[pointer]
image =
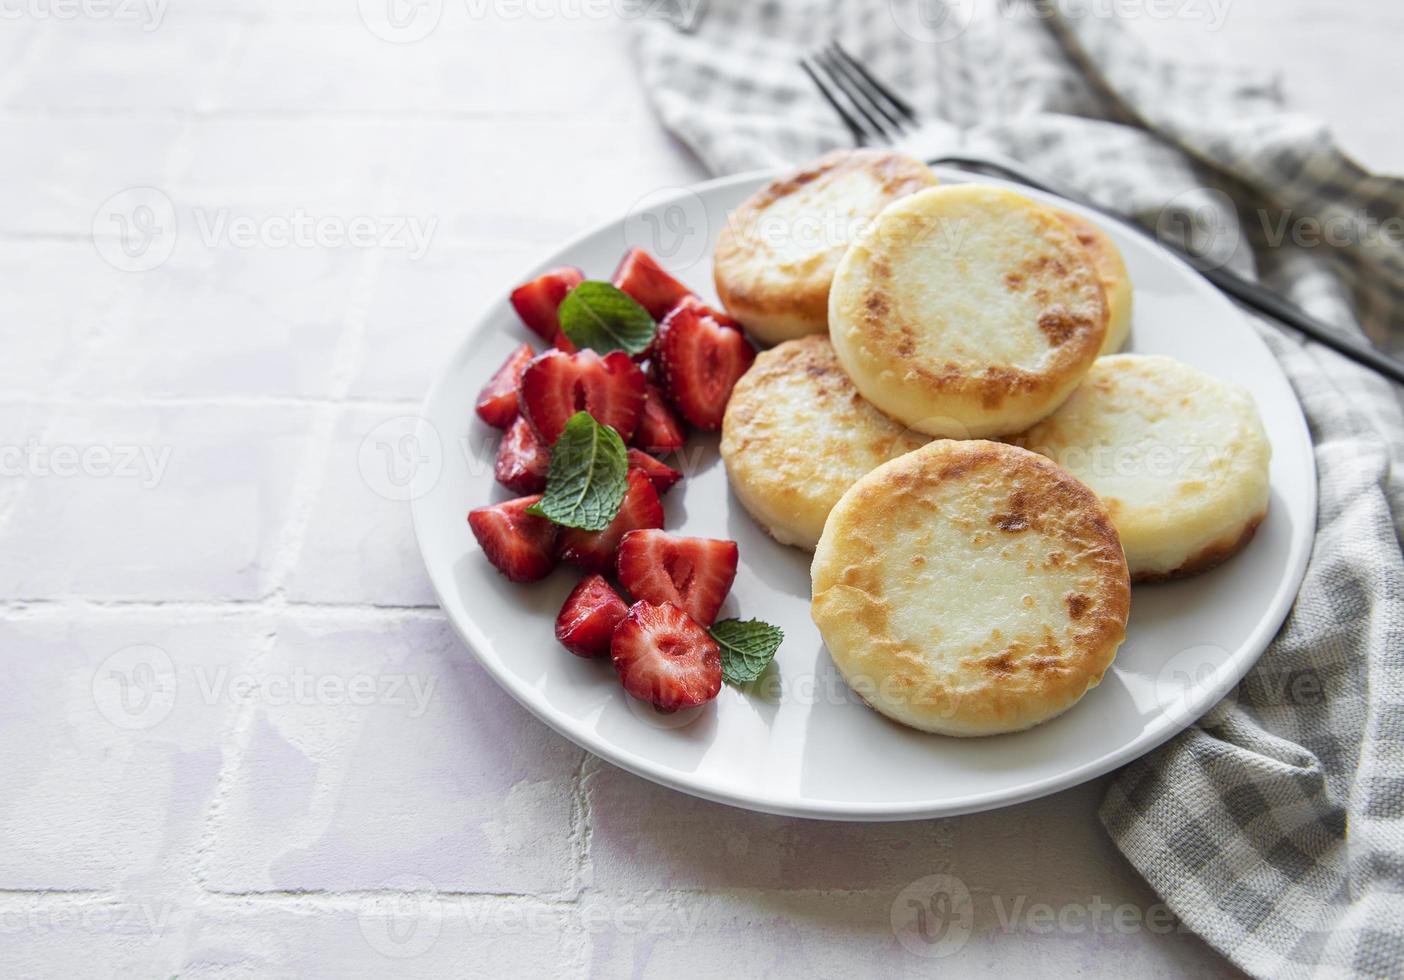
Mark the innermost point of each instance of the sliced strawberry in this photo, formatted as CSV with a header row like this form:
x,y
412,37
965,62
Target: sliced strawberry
x,y
497,403
700,355
665,657
643,278
521,546
594,550
556,385
522,461
694,574
660,430
662,475
586,622
536,301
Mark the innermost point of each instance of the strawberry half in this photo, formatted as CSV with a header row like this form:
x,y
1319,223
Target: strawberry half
x,y
521,546
586,622
664,657
522,461
700,355
694,574
594,550
640,275
536,302
555,385
662,475
660,430
497,403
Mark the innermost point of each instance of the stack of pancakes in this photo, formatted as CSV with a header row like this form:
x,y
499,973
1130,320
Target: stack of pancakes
x,y
964,585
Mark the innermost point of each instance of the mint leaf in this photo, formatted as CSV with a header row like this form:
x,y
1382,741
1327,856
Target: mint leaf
x,y
587,477
746,647
605,318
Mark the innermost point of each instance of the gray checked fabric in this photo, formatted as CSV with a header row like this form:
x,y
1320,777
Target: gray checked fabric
x,y
1275,826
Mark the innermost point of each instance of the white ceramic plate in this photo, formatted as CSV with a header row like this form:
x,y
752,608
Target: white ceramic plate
x,y
801,744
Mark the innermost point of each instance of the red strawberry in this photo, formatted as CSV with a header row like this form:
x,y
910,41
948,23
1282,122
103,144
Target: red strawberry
x,y
701,355
521,546
556,385
594,550
663,656
497,404
660,430
643,278
522,461
694,574
536,301
662,475
587,620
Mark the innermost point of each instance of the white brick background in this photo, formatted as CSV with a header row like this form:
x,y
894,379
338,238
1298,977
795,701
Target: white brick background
x,y
237,738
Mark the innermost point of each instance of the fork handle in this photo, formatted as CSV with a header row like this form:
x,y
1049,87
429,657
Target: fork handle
x,y
1249,293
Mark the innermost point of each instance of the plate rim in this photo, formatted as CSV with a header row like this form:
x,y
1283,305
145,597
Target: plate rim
x,y
1258,640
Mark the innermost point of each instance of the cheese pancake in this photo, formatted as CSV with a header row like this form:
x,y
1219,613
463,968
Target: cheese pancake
x,y
797,435
776,256
1111,270
970,588
967,311
1179,457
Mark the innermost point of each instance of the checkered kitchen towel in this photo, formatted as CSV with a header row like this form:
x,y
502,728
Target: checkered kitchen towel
x,y
1275,830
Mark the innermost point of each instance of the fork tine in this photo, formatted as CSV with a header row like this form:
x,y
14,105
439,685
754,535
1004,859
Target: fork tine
x,y
886,93
859,99
849,120
857,81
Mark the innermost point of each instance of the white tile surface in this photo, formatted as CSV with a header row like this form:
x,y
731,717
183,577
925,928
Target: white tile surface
x,y
174,802
377,751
